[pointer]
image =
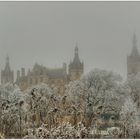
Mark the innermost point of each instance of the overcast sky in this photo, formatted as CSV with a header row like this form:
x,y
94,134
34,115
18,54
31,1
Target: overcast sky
x,y
46,32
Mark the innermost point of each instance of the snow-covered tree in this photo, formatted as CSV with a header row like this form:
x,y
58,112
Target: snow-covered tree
x,y
12,109
41,100
97,92
42,113
63,131
133,86
129,117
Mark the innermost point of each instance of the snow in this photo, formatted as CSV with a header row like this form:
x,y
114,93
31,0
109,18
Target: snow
x,y
40,112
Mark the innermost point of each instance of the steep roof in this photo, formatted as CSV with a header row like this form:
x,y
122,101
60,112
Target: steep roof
x,y
58,73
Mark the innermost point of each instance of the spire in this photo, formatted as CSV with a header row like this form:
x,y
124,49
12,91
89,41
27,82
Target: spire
x,y
76,63
76,50
76,56
134,52
7,66
7,60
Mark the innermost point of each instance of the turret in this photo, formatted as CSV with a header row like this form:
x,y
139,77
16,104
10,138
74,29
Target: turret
x,y
7,75
76,68
7,60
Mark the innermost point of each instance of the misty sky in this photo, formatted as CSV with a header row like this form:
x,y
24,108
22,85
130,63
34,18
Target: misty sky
x,y
46,33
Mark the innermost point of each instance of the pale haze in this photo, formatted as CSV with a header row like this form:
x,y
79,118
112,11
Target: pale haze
x,y
47,32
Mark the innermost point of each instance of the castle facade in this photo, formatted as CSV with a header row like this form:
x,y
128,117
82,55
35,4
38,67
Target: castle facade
x,y
56,78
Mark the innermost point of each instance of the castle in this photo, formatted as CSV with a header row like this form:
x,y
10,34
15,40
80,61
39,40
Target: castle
x,y
133,60
56,78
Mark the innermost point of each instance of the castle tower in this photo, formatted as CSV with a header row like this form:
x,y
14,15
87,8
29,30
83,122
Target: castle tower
x,y
76,68
7,75
133,61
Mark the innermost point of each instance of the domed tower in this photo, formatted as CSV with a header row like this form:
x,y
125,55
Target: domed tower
x,y
7,75
133,61
76,68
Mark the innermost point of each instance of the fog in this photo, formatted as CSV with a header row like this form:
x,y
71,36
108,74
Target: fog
x,y
47,32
